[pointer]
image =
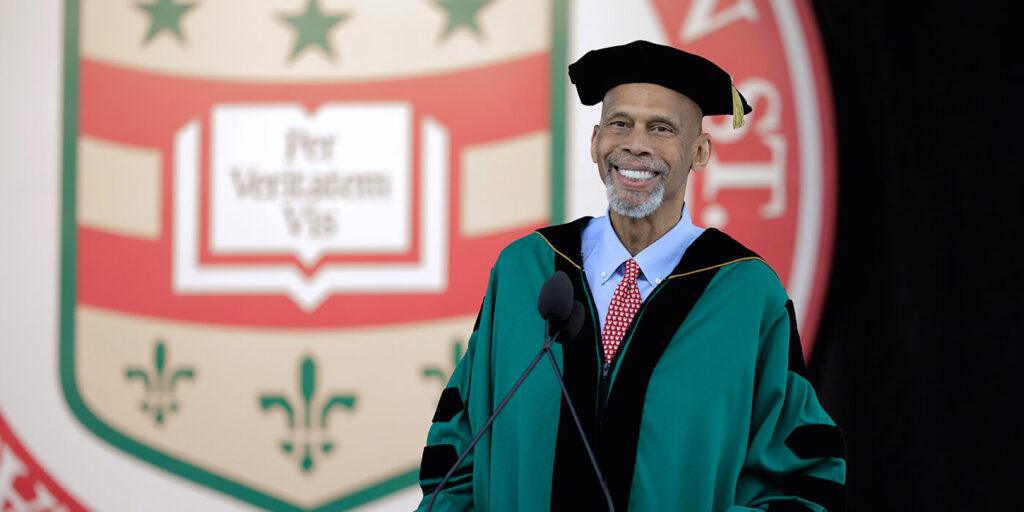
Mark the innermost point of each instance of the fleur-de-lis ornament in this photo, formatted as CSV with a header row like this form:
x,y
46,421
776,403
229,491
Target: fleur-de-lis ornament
x,y
308,428
159,385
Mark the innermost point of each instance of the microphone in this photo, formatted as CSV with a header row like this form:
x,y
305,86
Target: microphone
x,y
564,318
572,325
555,302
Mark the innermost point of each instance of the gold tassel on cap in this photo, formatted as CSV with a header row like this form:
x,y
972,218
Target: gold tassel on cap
x,y
737,107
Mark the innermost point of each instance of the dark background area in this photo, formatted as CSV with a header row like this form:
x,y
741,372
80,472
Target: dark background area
x,y
920,343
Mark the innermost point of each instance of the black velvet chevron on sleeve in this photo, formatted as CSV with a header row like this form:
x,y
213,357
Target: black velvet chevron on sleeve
x,y
448,406
828,494
813,441
437,460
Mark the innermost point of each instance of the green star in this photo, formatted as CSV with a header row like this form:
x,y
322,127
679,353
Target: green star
x,y
165,15
312,27
461,13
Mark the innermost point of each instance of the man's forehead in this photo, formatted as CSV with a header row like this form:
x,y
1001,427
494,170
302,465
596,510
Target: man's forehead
x,y
641,97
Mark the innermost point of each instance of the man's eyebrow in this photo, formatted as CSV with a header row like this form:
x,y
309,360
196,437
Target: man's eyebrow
x,y
663,119
617,113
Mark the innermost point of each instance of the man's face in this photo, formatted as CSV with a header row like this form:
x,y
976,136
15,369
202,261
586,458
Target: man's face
x,y
645,146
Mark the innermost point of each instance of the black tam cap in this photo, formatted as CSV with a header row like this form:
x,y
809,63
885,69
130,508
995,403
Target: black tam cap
x,y
691,75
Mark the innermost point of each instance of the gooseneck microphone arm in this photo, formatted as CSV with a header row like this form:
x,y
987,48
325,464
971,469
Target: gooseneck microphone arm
x,y
465,452
487,425
564,318
579,427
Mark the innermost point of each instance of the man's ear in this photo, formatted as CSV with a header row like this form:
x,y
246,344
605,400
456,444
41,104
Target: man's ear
x,y
593,144
701,152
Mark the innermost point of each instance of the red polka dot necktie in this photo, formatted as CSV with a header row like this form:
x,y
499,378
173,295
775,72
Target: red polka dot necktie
x,y
624,304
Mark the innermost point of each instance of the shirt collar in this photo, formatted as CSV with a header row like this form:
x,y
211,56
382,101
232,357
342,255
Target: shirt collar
x,y
657,260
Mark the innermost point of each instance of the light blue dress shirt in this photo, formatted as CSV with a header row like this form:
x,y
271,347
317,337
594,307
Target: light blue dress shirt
x,y
604,258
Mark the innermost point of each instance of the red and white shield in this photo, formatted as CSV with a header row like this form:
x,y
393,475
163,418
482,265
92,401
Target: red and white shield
x,y
279,222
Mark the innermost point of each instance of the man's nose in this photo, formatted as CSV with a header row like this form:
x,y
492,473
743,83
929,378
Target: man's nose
x,y
637,142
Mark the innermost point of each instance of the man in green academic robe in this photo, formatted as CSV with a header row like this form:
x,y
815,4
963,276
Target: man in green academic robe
x,y
687,375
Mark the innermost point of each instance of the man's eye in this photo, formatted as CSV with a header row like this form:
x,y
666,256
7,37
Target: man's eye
x,y
617,123
663,131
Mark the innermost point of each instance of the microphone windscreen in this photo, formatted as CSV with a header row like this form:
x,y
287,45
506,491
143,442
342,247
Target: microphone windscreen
x,y
555,300
573,324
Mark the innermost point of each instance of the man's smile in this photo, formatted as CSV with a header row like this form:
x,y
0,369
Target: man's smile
x,y
636,174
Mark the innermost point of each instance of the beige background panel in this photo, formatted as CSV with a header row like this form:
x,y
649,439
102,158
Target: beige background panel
x,y
505,184
219,425
119,188
247,40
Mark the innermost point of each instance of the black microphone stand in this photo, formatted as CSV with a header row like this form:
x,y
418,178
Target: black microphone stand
x,y
579,426
546,349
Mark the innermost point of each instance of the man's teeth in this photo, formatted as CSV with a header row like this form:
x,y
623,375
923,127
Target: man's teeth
x,y
636,175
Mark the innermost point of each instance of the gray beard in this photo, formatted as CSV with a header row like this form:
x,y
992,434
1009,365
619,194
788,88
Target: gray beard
x,y
636,210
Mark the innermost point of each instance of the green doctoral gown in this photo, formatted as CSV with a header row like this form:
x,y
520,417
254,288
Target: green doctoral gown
x,y
706,406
